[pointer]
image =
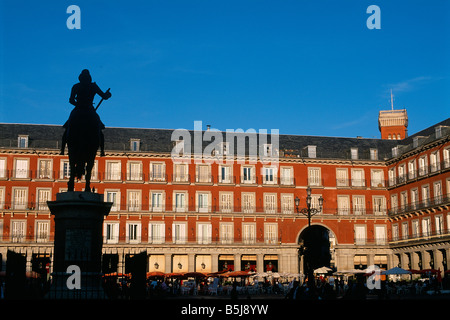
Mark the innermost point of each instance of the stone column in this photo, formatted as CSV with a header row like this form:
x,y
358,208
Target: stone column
x,y
78,245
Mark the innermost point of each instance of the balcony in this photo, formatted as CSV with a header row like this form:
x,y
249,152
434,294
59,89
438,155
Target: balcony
x,y
416,238
420,205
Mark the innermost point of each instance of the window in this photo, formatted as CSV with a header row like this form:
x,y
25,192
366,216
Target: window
x,y
179,233
312,151
391,174
3,169
359,205
267,150
134,200
354,153
21,169
181,172
22,141
315,202
18,230
43,195
437,192
423,166
343,205
426,227
342,177
114,197
415,228
404,200
269,175
225,174
426,195
248,174
226,202
135,171
380,235
373,154
287,177
156,232
287,203
20,200
157,201
226,233
111,232
447,158
377,178
203,202
379,205
405,232
414,198
44,169
180,201
412,169
113,171
358,178
158,171
438,221
2,202
314,177
42,231
395,235
133,232
135,144
401,173
394,203
248,233
64,172
204,233
434,161
270,233
270,203
248,202
203,173
360,235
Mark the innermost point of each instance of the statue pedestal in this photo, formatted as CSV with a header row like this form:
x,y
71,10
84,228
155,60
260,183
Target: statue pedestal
x,y
78,245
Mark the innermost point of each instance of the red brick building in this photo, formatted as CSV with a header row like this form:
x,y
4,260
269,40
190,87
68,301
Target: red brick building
x,y
212,215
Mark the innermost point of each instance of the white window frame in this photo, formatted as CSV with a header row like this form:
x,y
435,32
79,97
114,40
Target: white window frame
x,y
248,174
314,177
133,231
343,204
114,197
248,202
113,170
248,233
342,177
42,196
179,232
269,175
226,202
21,168
180,200
20,198
204,233
156,232
157,200
270,233
270,202
111,232
287,203
18,230
45,172
134,200
42,230
358,181
157,171
134,169
203,201
226,232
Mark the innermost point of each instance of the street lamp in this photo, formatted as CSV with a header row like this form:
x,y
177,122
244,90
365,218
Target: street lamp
x,y
308,211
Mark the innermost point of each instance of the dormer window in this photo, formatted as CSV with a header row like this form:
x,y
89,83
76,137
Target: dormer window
x,y
267,150
354,153
22,141
311,151
135,144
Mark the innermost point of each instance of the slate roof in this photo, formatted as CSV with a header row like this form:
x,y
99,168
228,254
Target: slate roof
x,y
160,141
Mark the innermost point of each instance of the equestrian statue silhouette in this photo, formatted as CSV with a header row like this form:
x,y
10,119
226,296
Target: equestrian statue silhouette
x,y
83,130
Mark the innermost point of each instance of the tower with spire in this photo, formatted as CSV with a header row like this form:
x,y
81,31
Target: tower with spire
x,y
393,123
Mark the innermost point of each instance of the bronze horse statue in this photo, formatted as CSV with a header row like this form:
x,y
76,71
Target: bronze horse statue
x,y
83,133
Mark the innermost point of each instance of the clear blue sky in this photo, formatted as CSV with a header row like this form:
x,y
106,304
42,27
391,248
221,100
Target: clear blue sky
x,y
307,67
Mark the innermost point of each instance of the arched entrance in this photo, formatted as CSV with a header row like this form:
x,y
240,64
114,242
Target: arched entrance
x,y
314,248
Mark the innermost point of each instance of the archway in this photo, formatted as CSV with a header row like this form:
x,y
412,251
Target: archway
x,y
314,242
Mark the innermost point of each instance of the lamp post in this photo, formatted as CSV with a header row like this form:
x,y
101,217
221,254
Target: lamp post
x,y
308,211
306,251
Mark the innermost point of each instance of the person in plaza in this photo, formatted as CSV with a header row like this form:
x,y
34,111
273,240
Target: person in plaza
x,y
82,97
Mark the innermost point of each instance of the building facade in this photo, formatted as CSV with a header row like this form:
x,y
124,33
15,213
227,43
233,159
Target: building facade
x,y
385,201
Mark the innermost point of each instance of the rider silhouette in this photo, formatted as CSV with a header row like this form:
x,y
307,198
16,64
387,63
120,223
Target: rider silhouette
x,y
82,97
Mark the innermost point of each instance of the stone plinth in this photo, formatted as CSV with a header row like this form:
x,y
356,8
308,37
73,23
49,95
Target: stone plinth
x,y
78,243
